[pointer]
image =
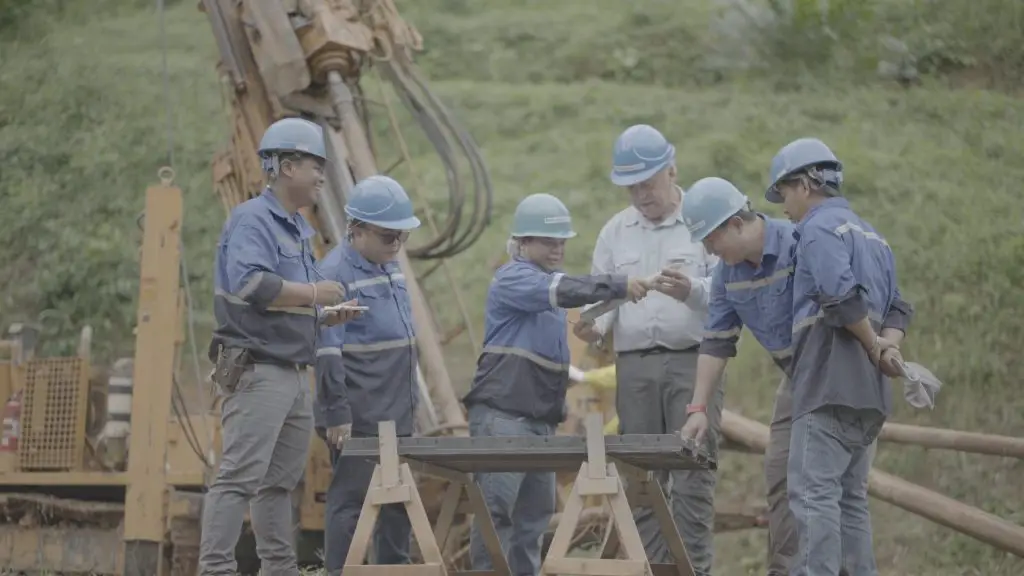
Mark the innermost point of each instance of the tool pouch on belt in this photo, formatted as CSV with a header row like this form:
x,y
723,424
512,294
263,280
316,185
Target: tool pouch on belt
x,y
231,364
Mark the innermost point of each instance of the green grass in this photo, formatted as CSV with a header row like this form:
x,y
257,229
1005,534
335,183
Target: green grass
x,y
545,88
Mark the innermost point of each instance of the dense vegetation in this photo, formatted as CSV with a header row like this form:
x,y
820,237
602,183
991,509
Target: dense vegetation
x,y
920,98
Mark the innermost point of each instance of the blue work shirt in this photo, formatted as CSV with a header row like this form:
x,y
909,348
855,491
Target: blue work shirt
x,y
759,297
366,368
523,368
261,246
845,271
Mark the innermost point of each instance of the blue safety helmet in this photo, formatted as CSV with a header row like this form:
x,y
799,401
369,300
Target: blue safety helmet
x,y
381,201
804,155
640,153
544,216
294,135
709,203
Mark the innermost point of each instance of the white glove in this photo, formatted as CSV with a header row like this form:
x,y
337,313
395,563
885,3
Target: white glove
x,y
920,386
575,374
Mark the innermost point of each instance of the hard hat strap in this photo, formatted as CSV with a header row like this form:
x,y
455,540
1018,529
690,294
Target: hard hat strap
x,y
271,164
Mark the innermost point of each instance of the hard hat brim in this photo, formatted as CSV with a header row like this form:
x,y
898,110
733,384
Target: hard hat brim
x,y
410,223
269,151
700,237
620,179
772,195
708,229
561,235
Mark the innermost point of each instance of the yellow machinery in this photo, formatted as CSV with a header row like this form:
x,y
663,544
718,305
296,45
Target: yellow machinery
x,y
102,470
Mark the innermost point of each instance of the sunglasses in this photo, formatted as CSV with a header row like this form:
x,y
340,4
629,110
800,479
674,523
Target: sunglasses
x,y
389,237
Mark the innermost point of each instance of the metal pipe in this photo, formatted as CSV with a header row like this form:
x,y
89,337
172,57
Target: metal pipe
x,y
332,197
427,341
919,500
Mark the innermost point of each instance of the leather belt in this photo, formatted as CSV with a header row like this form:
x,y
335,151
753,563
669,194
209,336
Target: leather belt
x,y
260,359
660,350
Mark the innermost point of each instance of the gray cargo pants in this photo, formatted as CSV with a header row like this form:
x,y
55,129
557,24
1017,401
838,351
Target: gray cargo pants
x,y
266,424
831,450
350,482
652,392
783,541
520,503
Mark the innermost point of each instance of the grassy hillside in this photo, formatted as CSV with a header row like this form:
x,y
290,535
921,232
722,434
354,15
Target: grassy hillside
x,y
545,87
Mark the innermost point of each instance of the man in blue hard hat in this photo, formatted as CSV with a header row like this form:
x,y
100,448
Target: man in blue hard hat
x,y
846,338
523,370
267,293
656,340
367,369
751,287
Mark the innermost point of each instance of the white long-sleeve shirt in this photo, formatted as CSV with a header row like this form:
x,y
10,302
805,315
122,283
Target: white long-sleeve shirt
x,y
630,244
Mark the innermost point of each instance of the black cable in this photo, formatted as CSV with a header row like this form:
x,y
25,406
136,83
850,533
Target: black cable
x,y
451,141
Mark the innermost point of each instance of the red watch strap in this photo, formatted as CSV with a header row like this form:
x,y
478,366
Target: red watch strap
x,y
691,408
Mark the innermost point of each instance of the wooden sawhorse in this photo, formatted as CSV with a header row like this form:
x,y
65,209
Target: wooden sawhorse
x,y
598,460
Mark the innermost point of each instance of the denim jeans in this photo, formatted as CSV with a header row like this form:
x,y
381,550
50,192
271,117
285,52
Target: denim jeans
x,y
783,538
829,459
520,504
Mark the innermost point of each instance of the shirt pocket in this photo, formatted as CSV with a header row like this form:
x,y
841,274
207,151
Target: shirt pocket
x,y
369,291
744,300
401,294
628,263
777,304
290,260
688,262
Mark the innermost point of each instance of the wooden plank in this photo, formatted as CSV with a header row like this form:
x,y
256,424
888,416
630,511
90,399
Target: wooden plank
x,y
942,438
966,519
595,567
64,479
41,549
406,570
276,48
146,497
539,453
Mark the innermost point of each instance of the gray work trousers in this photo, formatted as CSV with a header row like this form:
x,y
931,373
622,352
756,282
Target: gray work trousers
x,y
831,450
266,424
652,392
350,482
520,503
783,541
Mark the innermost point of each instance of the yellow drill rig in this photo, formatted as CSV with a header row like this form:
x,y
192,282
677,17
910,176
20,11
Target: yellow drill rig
x,y
102,472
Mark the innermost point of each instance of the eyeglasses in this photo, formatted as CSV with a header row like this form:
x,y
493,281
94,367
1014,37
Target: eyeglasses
x,y
390,237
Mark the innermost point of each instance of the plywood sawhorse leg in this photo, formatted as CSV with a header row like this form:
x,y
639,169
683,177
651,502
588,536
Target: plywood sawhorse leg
x,y
393,483
598,477
461,484
642,489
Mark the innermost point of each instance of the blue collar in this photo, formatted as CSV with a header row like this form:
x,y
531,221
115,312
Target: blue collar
x,y
296,221
360,261
533,264
823,205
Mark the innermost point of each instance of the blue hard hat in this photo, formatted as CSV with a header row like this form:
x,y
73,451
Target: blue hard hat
x,y
542,215
640,153
796,157
381,201
293,135
709,203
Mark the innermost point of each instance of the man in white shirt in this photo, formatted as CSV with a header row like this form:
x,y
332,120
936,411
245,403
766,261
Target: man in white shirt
x,y
656,339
